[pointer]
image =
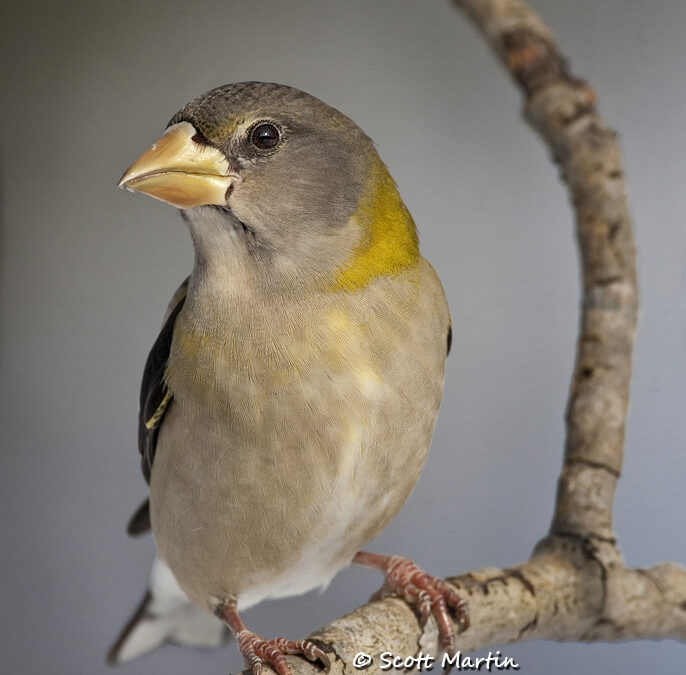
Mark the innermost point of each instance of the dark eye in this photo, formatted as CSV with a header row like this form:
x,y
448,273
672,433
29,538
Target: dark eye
x,y
265,136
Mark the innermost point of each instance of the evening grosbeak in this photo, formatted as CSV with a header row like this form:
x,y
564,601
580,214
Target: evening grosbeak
x,y
289,401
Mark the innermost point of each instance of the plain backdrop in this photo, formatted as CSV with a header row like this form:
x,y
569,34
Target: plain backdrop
x,y
87,270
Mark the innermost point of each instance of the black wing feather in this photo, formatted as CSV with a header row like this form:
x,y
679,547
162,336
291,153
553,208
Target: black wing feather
x,y
154,403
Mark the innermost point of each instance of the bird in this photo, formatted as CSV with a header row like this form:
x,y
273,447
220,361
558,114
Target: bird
x,y
289,401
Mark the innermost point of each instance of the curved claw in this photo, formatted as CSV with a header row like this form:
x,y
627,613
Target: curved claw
x,y
257,651
430,595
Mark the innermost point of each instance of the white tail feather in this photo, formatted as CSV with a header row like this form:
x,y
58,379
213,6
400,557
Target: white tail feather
x,y
166,615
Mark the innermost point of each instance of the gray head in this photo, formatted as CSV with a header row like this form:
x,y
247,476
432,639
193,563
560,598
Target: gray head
x,y
288,175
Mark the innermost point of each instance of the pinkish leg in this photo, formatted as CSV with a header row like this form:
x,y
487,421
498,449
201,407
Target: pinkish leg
x,y
430,595
257,651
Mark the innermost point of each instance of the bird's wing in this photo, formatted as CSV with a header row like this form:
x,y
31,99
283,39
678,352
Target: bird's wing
x,y
154,402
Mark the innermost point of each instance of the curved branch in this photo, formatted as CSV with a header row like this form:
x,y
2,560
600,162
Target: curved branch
x,y
575,587
561,108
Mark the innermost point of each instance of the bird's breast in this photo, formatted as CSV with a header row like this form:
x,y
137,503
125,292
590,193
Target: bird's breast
x,y
295,435
266,368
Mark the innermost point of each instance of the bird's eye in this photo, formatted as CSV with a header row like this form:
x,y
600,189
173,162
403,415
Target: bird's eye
x,y
265,136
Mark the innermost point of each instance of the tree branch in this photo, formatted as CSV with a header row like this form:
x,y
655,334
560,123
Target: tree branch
x,y
575,587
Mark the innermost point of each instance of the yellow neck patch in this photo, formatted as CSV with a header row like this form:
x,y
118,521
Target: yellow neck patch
x,y
389,242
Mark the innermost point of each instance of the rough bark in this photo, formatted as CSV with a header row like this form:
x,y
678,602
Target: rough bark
x,y
575,586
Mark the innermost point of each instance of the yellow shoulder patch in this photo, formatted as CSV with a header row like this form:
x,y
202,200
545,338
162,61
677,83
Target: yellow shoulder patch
x,y
389,244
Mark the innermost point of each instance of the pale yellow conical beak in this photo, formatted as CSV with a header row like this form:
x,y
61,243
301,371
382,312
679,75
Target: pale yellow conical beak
x,y
180,171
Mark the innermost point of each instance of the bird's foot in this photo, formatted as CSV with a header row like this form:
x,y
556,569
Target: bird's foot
x,y
257,651
430,595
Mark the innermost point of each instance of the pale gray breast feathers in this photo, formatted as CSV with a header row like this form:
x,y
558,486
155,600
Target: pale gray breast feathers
x,y
293,422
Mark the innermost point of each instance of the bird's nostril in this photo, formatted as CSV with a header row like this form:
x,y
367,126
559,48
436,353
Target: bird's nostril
x,y
200,138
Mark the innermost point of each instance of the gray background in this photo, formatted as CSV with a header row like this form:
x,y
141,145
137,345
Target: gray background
x,y
87,271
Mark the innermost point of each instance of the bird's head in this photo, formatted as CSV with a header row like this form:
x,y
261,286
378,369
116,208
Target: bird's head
x,y
271,173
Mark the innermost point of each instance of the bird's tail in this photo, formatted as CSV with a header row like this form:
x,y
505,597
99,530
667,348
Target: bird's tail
x,y
165,614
